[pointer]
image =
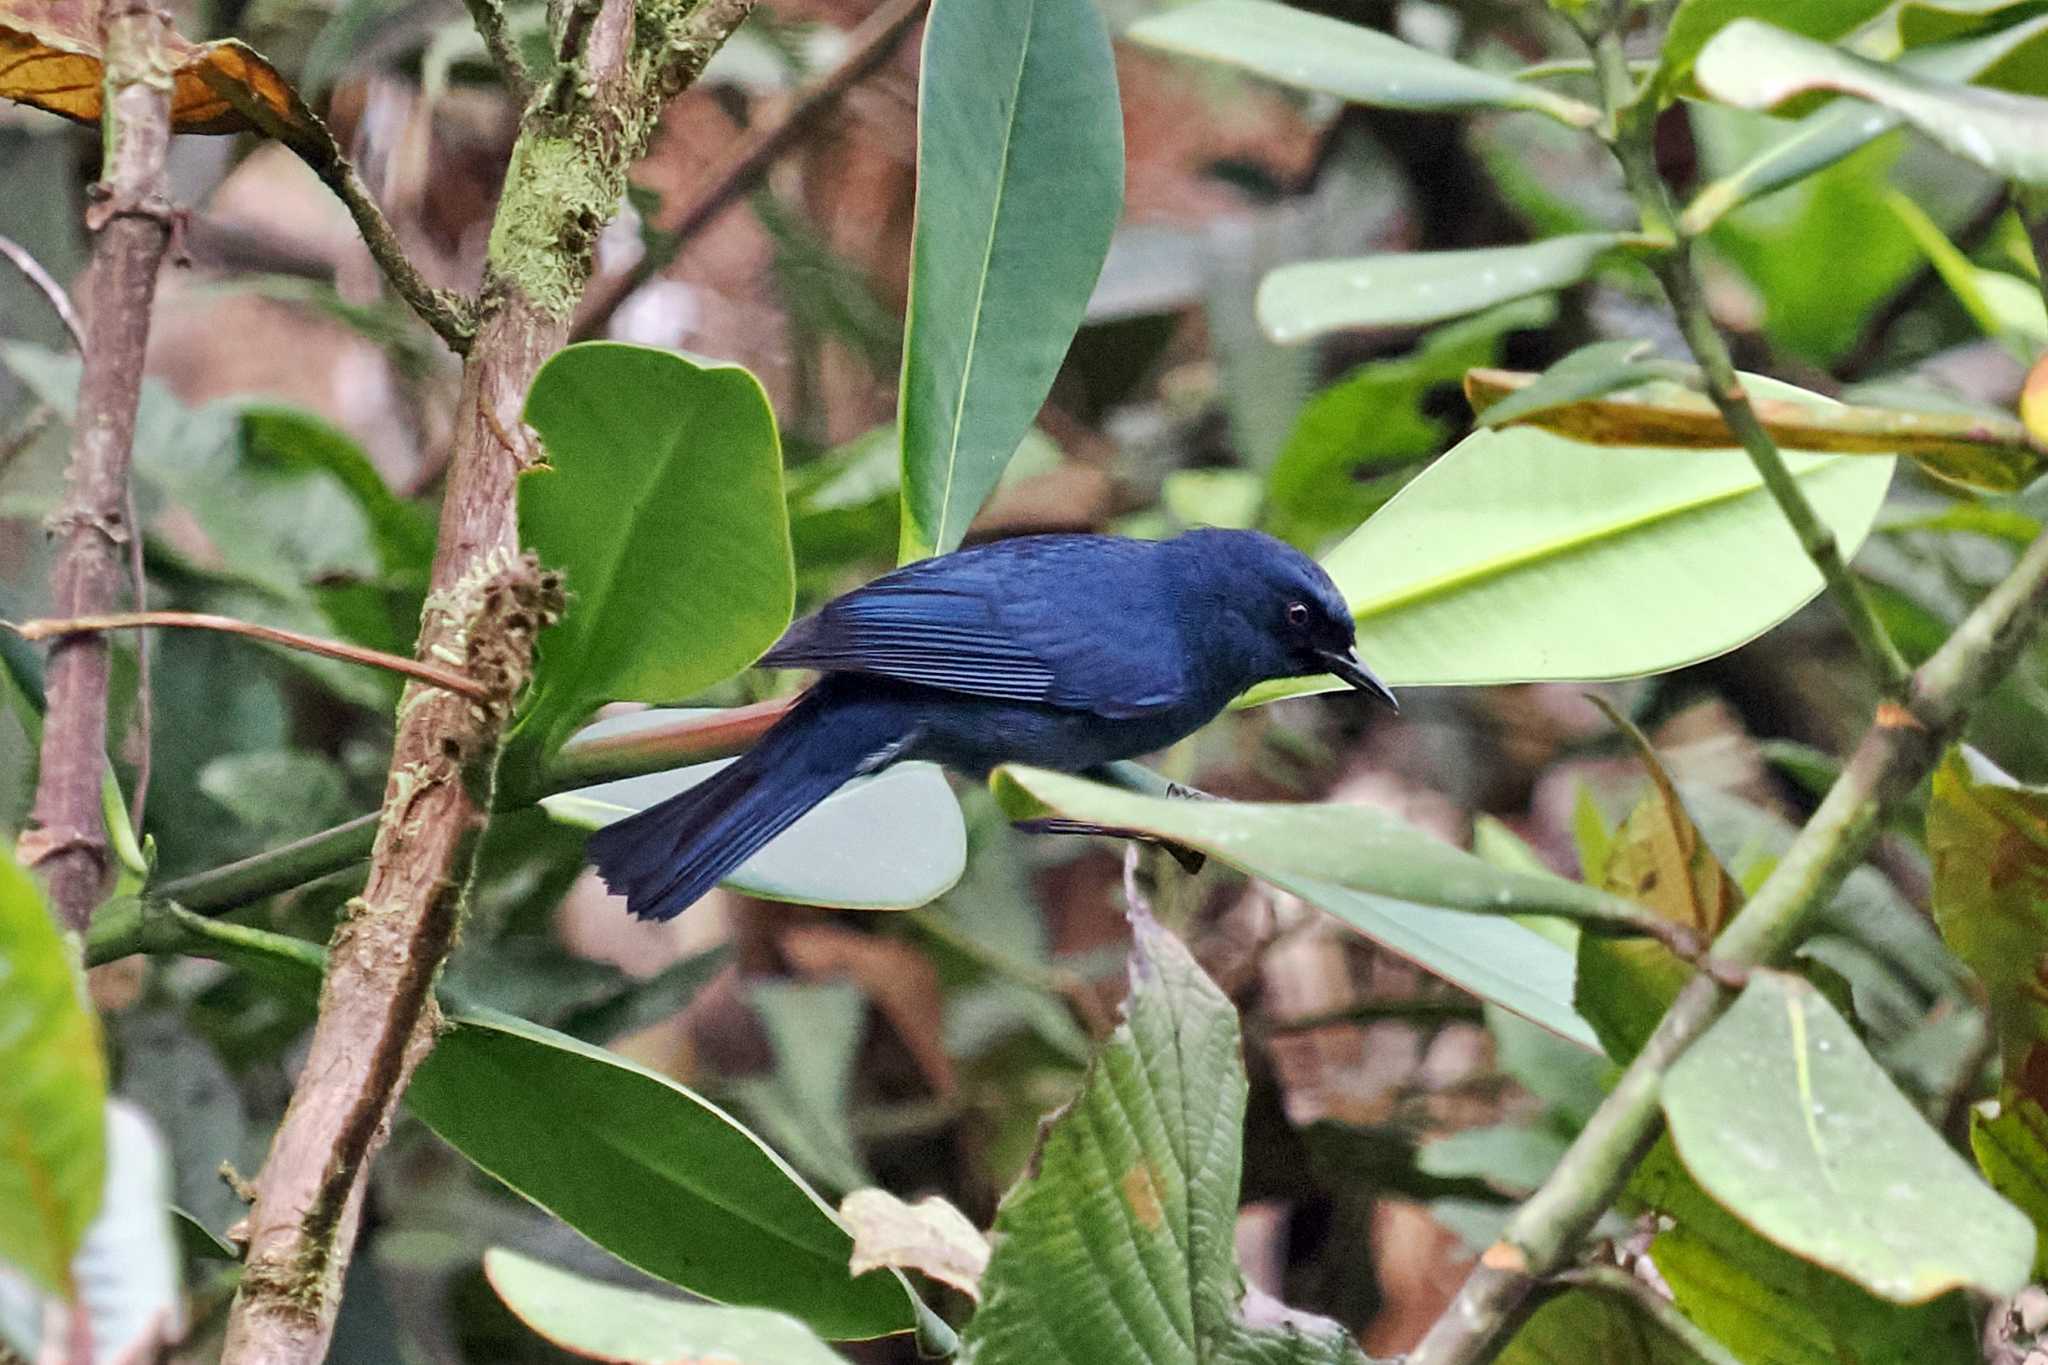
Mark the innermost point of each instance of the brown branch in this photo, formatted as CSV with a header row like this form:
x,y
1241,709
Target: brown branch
x,y
433,674
869,45
450,314
60,302
130,222
489,18
567,173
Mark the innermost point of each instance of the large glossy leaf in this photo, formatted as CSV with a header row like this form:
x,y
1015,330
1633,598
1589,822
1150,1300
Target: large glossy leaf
x,y
1330,57
1020,182
53,1098
662,504
1788,1123
1117,1247
1505,560
649,1170
1767,1304
1989,839
884,843
611,1323
1299,302
1757,66
1423,899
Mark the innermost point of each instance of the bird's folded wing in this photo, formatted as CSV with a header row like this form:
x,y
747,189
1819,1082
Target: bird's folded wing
x,y
1010,631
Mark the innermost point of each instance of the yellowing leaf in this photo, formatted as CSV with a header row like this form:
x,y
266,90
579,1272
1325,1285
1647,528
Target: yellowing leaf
x,y
1989,839
1964,448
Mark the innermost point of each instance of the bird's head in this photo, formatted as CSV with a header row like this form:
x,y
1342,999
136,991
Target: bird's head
x,y
1294,621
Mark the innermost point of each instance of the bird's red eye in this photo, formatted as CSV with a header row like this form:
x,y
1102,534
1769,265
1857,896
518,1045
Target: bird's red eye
x,y
1297,613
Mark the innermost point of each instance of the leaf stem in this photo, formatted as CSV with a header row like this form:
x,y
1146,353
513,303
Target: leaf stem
x,y
432,674
1618,1283
221,889
1630,130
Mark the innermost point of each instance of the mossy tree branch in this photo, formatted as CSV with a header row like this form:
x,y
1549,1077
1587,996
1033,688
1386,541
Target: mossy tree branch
x,y
565,179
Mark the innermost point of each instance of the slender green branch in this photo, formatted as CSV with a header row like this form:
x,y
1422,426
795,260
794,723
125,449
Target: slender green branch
x,y
162,926
221,889
1630,133
1894,756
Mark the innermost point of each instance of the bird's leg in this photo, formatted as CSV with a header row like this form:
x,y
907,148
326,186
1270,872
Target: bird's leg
x,y
1129,777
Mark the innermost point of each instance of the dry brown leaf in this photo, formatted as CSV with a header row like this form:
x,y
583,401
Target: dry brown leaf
x,y
930,1236
50,59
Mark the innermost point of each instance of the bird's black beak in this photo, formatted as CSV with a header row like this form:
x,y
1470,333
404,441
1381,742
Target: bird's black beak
x,y
1347,665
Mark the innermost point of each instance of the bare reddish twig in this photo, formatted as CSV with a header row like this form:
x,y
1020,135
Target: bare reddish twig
x,y
435,675
130,222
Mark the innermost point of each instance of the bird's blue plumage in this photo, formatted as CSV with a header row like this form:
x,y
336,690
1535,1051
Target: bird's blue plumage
x,y
1063,652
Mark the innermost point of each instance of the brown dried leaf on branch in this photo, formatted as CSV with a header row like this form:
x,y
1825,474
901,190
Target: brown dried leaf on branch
x,y
50,58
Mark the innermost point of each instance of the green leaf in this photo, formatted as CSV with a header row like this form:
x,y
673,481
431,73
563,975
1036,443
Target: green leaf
x,y
815,1029
1330,57
662,504
890,842
606,1322
650,1171
2010,1142
1660,859
1300,302
292,439
1786,1121
1372,420
1503,561
1432,903
53,1104
1988,837
1698,21
1769,1305
1757,66
2002,305
1020,182
1593,1327
1116,1248
1827,135
1588,372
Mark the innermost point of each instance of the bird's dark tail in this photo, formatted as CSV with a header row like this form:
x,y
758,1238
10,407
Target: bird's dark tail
x,y
664,858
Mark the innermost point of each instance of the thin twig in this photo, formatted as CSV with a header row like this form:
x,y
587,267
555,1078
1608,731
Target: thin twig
x,y
130,221
451,315
60,302
868,47
432,674
489,18
1630,138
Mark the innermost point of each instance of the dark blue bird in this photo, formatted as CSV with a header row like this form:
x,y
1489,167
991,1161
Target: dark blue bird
x,y
1059,651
